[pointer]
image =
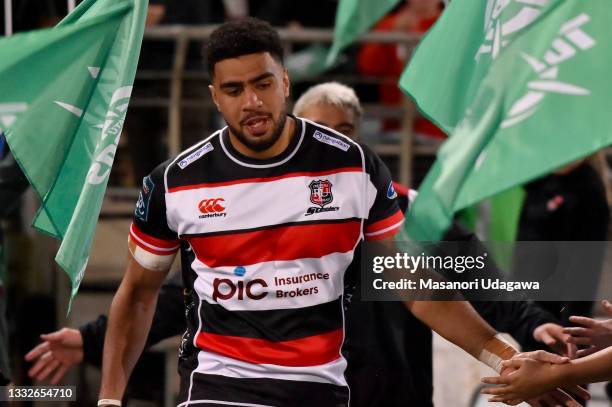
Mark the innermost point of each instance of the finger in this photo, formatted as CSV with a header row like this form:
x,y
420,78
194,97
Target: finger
x,y
59,374
562,399
40,364
571,350
550,399
547,339
37,351
548,357
580,340
496,380
586,352
534,403
53,336
578,391
607,306
503,399
578,331
589,322
516,363
498,391
54,364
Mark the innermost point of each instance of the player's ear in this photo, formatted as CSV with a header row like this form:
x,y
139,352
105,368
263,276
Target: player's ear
x,y
213,93
286,83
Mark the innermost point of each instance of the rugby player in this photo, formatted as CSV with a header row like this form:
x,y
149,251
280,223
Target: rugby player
x,y
270,195
387,349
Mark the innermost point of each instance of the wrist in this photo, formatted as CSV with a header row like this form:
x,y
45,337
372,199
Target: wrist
x,y
495,351
562,374
109,402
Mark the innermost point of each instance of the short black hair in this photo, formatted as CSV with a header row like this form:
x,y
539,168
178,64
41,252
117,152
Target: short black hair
x,y
242,37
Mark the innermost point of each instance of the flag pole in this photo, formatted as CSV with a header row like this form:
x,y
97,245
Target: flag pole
x,y
71,5
8,17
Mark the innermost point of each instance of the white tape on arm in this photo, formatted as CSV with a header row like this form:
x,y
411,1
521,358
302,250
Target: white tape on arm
x,y
495,351
109,402
148,260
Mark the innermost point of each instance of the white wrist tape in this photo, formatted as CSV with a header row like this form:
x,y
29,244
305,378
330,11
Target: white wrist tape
x,y
495,352
109,402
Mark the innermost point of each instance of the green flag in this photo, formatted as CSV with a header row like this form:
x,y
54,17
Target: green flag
x,y
354,18
452,59
544,102
63,99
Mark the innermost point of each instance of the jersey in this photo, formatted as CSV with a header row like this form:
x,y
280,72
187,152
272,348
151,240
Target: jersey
x,y
265,246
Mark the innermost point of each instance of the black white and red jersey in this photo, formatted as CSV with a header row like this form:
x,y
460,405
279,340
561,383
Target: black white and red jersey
x,y
265,245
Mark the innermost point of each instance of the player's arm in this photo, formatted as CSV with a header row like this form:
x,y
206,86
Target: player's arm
x,y
129,322
459,323
454,320
589,369
152,249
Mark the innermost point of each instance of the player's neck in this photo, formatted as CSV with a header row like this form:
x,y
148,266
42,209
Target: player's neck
x,y
276,149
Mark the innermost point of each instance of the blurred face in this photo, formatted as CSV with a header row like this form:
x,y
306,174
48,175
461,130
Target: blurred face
x,y
341,119
250,92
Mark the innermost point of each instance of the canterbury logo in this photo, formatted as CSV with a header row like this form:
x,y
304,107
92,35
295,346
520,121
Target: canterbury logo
x,y
211,205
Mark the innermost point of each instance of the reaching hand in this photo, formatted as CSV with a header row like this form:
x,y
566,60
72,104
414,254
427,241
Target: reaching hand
x,y
56,354
597,335
532,377
553,336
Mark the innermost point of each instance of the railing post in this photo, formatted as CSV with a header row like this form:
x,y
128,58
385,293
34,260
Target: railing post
x,y
176,95
8,17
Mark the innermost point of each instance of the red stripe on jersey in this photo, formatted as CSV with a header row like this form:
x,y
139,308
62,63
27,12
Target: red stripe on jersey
x,y
384,235
384,223
276,244
309,351
268,179
401,190
152,244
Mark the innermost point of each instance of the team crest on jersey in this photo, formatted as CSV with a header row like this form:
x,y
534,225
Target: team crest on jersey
x,y
321,195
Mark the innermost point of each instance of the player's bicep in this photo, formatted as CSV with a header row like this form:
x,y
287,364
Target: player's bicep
x,y
151,253
152,244
141,279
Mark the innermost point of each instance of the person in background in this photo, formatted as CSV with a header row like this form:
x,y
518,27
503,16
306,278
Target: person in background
x,y
389,60
12,184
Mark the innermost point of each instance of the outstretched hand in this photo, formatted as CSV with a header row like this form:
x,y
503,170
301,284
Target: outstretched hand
x,y
554,336
597,335
59,351
533,377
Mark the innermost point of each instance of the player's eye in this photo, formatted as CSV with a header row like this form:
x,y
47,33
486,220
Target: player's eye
x,y
264,85
233,91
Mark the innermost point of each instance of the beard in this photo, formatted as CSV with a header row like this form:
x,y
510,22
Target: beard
x,y
264,142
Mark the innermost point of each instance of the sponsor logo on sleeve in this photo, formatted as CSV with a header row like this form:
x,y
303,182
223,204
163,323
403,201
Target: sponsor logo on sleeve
x,y
142,206
391,194
332,141
208,147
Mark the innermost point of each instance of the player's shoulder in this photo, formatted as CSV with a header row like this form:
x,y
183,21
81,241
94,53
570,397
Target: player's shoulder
x,y
196,152
328,138
191,161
